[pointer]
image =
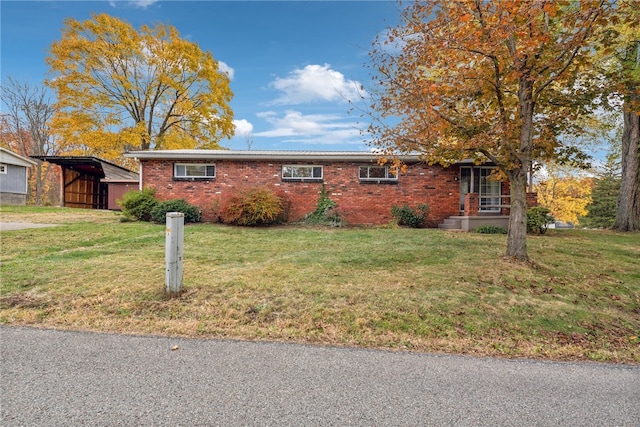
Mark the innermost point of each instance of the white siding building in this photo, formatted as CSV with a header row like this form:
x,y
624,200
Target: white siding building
x,y
13,177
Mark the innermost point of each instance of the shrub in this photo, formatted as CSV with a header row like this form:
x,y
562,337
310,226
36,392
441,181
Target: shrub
x,y
138,204
490,229
252,206
407,216
191,213
325,212
538,219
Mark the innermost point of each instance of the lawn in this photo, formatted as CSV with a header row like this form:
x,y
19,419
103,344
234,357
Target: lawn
x,y
404,289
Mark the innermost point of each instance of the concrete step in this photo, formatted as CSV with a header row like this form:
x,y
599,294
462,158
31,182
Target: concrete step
x,y
450,224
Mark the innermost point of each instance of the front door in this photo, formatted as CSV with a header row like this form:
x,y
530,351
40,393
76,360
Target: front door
x,y
476,180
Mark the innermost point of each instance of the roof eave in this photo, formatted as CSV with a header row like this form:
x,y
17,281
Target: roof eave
x,y
249,155
9,157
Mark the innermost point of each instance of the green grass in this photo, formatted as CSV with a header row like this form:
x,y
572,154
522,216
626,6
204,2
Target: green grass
x,y
416,289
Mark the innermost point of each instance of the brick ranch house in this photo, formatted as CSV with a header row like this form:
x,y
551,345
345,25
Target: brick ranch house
x,y
459,196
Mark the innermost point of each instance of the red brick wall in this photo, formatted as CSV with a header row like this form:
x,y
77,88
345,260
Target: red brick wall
x,y
358,203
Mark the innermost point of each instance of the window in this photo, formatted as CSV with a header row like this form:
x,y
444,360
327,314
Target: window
x,y
301,172
3,168
197,170
377,173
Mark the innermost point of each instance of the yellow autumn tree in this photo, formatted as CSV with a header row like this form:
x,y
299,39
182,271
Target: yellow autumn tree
x,y
119,89
492,81
566,197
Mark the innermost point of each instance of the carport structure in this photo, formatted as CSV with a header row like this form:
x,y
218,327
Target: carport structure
x,y
92,183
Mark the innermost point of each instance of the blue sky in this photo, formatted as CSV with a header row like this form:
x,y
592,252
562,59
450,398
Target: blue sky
x,y
294,64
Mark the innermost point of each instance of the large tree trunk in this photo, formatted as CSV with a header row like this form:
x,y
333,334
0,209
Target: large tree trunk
x,y
517,236
628,213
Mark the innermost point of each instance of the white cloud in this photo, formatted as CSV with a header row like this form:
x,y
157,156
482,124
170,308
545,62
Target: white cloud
x,y
243,127
225,68
315,83
294,126
140,4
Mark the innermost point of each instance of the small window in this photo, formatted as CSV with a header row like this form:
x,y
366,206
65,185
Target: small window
x,y
3,168
196,170
301,172
377,173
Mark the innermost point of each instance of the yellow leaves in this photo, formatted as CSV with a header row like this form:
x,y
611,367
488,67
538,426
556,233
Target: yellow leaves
x,y
133,136
566,197
136,86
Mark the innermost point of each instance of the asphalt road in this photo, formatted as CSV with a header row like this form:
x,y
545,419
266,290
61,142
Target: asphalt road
x,y
56,378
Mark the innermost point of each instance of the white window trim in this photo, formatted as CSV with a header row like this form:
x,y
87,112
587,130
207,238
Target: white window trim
x,y
204,165
388,175
3,168
303,178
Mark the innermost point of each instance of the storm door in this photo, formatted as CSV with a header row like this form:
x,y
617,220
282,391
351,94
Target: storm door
x,y
476,180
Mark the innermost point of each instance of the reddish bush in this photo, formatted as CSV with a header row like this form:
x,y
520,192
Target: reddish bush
x,y
253,206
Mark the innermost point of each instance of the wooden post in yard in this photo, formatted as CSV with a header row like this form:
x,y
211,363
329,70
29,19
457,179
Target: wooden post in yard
x,y
173,253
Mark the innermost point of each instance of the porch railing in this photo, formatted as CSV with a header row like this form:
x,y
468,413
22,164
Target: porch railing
x,y
502,204
473,203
